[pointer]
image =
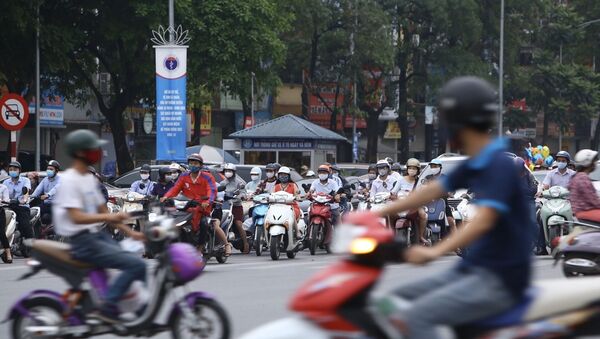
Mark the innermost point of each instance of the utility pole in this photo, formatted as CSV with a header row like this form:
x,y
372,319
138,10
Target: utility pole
x,y
37,90
501,73
252,97
354,94
171,20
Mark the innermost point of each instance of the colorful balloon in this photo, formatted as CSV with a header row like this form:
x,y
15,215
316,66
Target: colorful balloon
x,y
528,153
531,166
548,161
545,151
540,147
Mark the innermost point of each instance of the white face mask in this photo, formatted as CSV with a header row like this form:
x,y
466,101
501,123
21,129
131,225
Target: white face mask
x,y
175,175
168,177
412,172
270,175
144,176
323,176
229,174
382,172
255,177
437,171
372,176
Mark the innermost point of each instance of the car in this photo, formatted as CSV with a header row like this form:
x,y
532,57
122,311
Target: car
x,y
353,170
244,172
450,161
125,180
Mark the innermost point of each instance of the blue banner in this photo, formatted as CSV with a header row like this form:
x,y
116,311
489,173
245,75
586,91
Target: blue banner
x,y
171,118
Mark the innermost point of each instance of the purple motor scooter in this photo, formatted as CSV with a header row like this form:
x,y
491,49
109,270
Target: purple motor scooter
x,y
580,250
48,314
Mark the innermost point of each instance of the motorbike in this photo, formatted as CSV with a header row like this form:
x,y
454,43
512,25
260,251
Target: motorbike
x,y
404,226
379,201
336,302
132,203
579,250
320,229
11,228
259,212
50,314
280,226
436,220
555,210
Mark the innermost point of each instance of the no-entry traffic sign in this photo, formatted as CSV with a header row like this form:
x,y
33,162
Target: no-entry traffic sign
x,y
14,112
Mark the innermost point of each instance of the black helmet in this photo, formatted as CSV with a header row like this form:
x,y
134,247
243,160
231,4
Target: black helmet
x,y
15,164
82,140
371,167
396,167
164,171
146,168
271,167
54,164
468,102
277,166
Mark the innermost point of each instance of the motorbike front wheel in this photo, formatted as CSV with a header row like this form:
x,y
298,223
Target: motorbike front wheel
x,y
43,311
314,238
258,240
274,246
210,321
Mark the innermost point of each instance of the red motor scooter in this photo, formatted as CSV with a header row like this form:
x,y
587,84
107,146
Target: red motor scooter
x,y
320,228
335,302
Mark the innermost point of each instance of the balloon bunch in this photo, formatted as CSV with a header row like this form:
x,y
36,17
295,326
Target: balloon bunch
x,y
538,157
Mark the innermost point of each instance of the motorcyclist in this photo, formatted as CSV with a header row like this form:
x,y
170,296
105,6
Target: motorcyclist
x,y
164,182
4,198
397,168
267,185
406,184
144,186
255,176
384,181
326,185
79,209
490,279
19,189
436,165
46,189
371,176
286,184
396,175
582,194
100,179
176,170
562,175
234,186
200,187
337,175
530,189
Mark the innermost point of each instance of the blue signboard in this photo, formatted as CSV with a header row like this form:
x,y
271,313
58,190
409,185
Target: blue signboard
x,y
276,144
171,118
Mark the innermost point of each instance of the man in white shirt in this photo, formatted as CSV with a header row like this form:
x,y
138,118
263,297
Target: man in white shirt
x,y
79,208
327,186
384,182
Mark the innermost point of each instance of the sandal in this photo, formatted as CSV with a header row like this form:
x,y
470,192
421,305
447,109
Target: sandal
x,y
246,248
228,248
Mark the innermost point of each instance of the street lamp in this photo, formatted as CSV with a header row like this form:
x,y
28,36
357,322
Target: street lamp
x,y
252,77
501,72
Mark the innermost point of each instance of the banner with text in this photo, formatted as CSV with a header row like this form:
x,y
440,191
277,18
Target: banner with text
x,y
171,119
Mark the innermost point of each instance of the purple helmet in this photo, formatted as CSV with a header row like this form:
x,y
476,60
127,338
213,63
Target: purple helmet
x,y
187,263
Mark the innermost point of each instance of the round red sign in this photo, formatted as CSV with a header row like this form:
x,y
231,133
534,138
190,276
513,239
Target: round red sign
x,y
14,112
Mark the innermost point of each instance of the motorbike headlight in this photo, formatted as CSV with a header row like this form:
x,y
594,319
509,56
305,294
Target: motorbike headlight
x,y
344,237
363,245
555,220
555,192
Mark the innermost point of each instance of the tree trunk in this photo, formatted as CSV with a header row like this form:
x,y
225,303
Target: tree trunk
x,y
403,146
197,131
372,137
117,127
545,131
596,139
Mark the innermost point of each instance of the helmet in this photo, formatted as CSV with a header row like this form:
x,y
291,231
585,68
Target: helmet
x,y
389,160
82,140
436,161
271,167
396,167
54,164
310,173
412,162
195,157
146,168
371,167
284,170
324,168
585,157
175,167
164,171
335,167
566,155
256,170
382,163
230,167
15,164
468,102
277,166
186,262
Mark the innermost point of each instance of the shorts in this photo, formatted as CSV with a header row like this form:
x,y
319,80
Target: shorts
x,y
217,213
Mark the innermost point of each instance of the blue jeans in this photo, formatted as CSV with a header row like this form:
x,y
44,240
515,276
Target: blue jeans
x,y
102,251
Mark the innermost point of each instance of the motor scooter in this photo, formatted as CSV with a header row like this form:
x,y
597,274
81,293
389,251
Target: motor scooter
x,y
11,228
436,220
336,302
259,213
555,210
320,228
280,226
134,202
378,202
49,314
580,249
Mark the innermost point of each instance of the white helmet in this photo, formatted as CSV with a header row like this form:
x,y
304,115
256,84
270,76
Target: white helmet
x,y
284,170
412,162
256,170
175,167
229,166
585,157
382,163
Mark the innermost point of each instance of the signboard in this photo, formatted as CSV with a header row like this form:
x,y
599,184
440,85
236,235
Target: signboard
x,y
205,121
276,144
148,123
171,119
52,109
14,112
392,130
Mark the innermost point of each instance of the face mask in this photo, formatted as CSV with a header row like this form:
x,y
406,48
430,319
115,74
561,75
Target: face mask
x,y
323,176
13,174
270,175
372,176
50,173
412,172
255,177
174,176
92,156
437,171
194,169
168,177
562,165
228,174
284,178
144,176
336,174
382,172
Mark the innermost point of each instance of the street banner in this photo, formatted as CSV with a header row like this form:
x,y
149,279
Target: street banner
x,y
171,119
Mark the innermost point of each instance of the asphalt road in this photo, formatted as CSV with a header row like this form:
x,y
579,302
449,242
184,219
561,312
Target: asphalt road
x,y
254,290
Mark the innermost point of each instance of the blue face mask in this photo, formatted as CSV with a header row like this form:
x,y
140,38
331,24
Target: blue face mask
x,y
195,169
50,173
284,178
562,165
13,174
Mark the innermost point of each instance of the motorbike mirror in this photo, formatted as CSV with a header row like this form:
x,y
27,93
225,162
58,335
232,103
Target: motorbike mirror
x,y
221,188
353,186
363,185
306,187
241,186
24,190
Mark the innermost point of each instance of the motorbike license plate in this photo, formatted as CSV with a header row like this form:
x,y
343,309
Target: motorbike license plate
x,y
129,207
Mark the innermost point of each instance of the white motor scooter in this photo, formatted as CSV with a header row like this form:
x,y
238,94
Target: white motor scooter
x,y
283,234
11,227
378,202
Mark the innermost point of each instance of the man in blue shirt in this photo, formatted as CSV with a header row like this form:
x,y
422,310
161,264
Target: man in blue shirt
x,y
18,191
495,271
143,186
46,189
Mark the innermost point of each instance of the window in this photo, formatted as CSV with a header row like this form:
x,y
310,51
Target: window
x,y
294,160
259,157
